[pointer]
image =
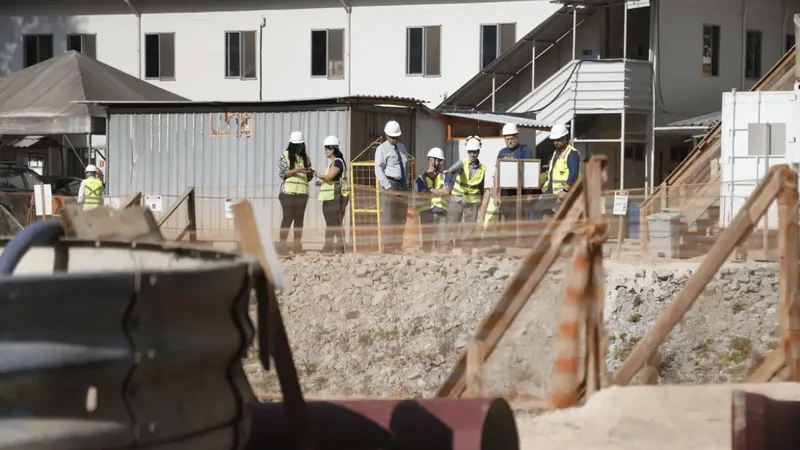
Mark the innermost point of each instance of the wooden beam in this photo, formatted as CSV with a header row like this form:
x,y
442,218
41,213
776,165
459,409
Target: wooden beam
x,y
789,312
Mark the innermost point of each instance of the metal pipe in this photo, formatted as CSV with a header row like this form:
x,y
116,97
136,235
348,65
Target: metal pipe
x,y
138,35
654,5
494,91
262,25
440,423
574,26
624,31
349,75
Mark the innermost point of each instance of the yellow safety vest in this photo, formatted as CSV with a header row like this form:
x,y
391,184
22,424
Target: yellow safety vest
x,y
92,193
559,171
492,213
328,189
466,187
298,184
435,202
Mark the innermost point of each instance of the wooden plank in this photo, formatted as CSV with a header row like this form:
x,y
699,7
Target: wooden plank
x,y
789,310
768,368
135,224
475,360
755,207
521,287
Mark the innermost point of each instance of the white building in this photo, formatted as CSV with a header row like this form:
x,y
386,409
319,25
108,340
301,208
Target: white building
x,y
245,50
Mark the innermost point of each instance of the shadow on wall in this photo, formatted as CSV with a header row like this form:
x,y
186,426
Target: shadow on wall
x,y
13,28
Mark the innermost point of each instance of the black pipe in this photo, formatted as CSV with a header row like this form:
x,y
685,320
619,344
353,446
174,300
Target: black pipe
x,y
45,232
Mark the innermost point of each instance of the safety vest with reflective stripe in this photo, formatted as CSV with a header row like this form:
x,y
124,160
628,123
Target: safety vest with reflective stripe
x,y
466,187
328,189
298,184
426,204
92,193
492,213
559,171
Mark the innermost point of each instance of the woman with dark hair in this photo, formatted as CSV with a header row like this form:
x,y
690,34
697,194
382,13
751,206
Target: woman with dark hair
x,y
294,171
334,195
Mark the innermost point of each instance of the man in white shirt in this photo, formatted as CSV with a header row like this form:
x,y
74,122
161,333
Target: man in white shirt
x,y
393,170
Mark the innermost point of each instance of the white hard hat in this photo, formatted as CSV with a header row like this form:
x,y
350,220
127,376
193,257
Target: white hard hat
x,y
90,168
559,130
437,153
392,129
473,143
509,129
331,141
297,137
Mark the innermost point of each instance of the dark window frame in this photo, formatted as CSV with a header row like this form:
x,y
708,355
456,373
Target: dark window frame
x,y
245,53
329,73
754,50
88,44
48,53
501,43
430,54
161,76
712,33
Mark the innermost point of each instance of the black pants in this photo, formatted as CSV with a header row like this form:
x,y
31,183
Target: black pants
x,y
333,211
294,211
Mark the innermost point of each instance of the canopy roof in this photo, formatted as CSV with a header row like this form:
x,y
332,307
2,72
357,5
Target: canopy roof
x,y
43,99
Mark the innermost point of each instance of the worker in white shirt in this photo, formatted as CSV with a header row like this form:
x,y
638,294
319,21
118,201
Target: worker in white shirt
x,y
392,170
90,192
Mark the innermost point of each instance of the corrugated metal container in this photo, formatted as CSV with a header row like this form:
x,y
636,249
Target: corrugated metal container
x,y
745,137
164,150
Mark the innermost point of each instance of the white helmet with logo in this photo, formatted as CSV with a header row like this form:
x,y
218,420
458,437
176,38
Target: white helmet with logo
x,y
510,129
392,129
90,168
331,141
297,137
437,153
559,130
473,143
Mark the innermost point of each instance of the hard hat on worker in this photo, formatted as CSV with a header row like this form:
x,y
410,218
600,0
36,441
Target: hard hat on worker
x,y
473,143
330,141
436,152
296,137
90,168
392,129
558,131
510,129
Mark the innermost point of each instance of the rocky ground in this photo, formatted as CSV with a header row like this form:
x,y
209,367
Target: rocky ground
x,y
391,325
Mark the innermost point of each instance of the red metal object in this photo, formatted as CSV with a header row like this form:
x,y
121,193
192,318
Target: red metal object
x,y
429,424
761,423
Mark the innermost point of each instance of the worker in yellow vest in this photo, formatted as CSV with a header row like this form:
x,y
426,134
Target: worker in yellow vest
x,y
466,188
90,192
432,201
294,171
334,194
565,164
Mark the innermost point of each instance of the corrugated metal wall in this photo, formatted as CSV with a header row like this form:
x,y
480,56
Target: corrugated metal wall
x,y
223,155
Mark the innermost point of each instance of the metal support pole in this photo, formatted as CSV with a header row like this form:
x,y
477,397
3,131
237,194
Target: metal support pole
x,y
625,32
654,61
494,89
622,151
574,26
533,66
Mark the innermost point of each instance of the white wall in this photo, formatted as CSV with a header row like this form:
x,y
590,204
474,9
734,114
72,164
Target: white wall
x,y
742,167
378,43
684,88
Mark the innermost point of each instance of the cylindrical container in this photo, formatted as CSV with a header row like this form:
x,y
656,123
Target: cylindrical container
x,y
428,424
134,345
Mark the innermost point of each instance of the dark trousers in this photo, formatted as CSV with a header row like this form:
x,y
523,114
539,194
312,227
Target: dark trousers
x,y
434,229
333,211
294,211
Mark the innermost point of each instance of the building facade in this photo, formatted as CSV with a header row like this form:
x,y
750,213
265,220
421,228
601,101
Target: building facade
x,y
245,50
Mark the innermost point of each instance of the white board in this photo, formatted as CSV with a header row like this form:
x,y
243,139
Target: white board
x,y
509,173
43,199
530,174
154,203
229,202
620,203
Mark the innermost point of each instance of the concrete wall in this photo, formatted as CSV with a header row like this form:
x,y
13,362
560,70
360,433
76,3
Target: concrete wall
x,y
378,41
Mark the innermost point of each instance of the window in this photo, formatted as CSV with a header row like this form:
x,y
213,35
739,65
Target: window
x,y
11,179
36,48
496,39
789,42
752,60
84,43
159,56
423,51
711,50
327,53
240,55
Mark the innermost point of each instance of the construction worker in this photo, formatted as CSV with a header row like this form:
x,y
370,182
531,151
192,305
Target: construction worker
x,y
334,195
512,150
565,164
392,170
466,188
294,171
432,207
90,192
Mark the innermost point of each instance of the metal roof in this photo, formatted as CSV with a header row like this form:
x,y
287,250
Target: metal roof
x,y
503,119
514,60
705,121
377,100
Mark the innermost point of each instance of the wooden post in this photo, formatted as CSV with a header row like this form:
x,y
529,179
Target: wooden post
x,y
520,184
475,361
789,313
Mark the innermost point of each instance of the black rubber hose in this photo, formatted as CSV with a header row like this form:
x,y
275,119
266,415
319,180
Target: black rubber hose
x,y
45,232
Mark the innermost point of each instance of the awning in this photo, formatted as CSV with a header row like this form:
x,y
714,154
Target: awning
x,y
501,119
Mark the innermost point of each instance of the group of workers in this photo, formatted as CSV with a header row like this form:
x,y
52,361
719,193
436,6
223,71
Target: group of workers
x,y
451,196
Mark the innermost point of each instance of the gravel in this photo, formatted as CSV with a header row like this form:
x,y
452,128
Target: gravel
x,y
392,325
